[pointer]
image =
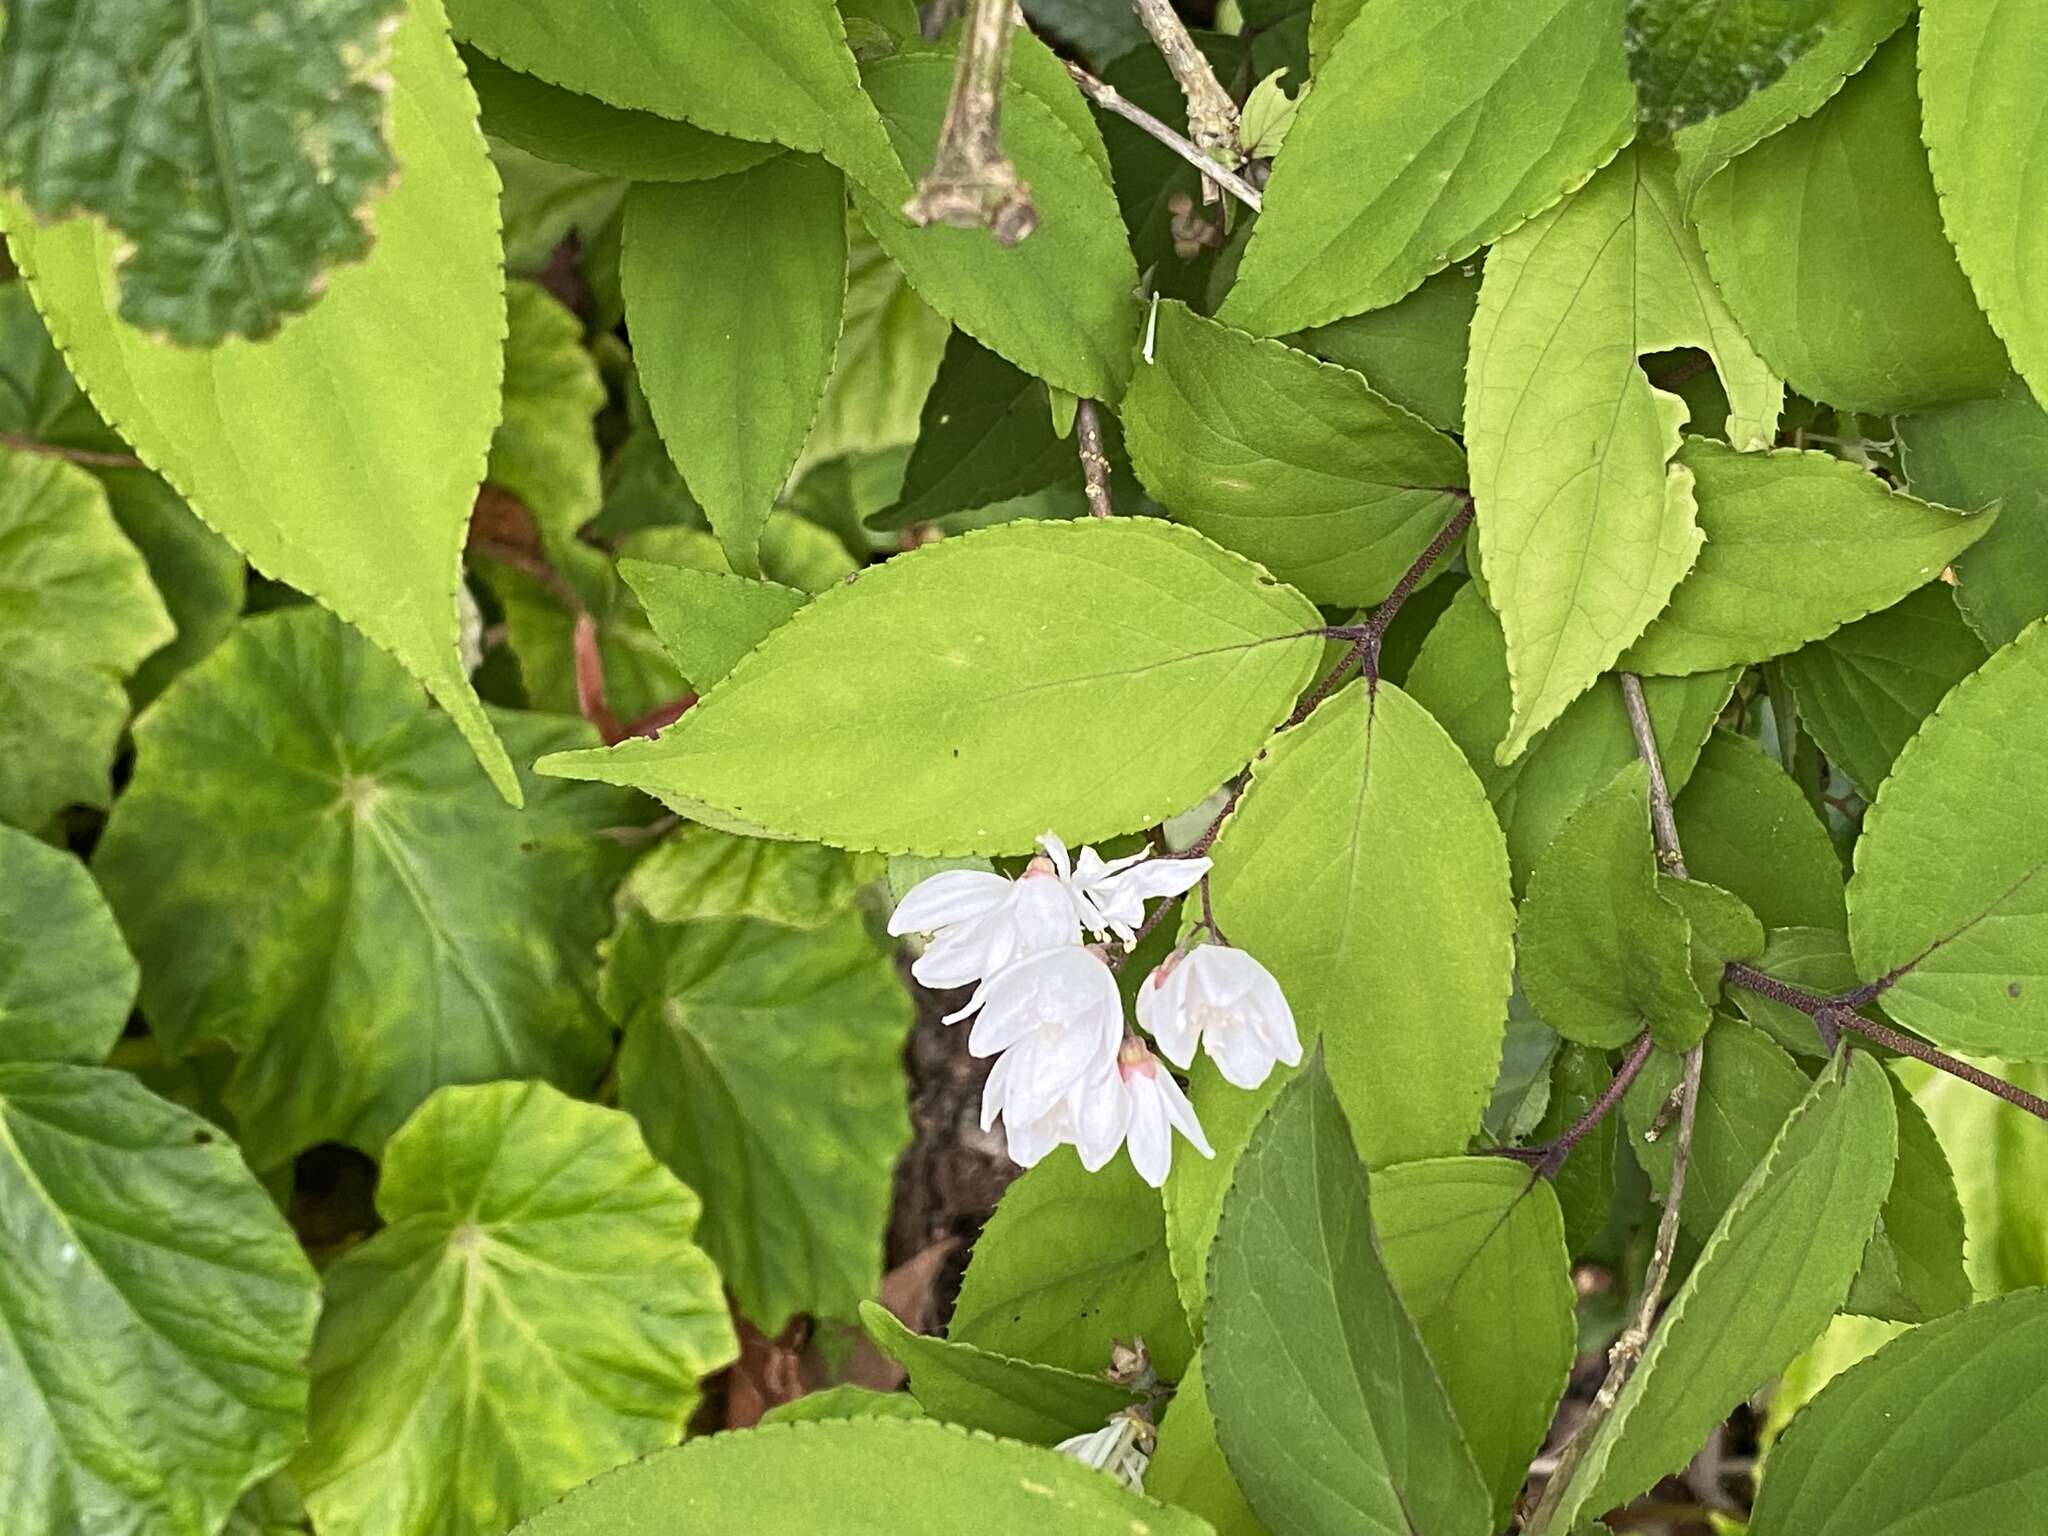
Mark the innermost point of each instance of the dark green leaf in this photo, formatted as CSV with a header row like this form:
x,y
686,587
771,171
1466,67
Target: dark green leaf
x,y
764,1064
1691,60
1970,455
1475,1247
1864,690
427,932
1603,955
698,873
977,1389
735,289
571,128
1938,1431
1585,1184
233,149
67,980
1413,351
1291,461
1071,1264
156,1311
1746,828
708,620
1326,1403
1188,1469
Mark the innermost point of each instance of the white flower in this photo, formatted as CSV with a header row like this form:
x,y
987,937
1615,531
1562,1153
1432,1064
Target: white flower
x,y
1055,1019
981,922
1227,1002
1139,1105
1113,893
1118,1448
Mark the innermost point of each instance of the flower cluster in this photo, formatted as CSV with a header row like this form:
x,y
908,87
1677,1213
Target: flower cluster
x,y
1046,1004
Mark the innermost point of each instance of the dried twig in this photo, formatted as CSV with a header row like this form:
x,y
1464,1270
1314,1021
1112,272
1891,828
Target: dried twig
x,y
1110,99
1212,115
1094,460
972,183
89,458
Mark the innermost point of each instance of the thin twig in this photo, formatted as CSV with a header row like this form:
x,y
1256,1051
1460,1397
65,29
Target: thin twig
x,y
88,458
1110,99
1549,1158
1662,823
1212,115
1621,1359
1834,1014
1094,460
1367,638
972,184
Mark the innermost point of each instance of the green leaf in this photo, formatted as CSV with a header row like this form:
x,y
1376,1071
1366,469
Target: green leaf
x,y
708,620
1864,690
779,74
1691,61
978,1389
231,152
1603,955
571,128
1585,526
1585,1184
1980,68
364,508
1970,455
985,437
545,448
426,934
1188,1469
1071,1264
764,1064
1432,130
1326,1403
532,1312
1914,1267
1476,1249
1169,663
1852,35
1413,351
1362,823
844,1402
1797,544
1946,904
1767,1279
1998,1159
202,580
1058,305
1939,1430
697,874
736,289
1828,243
1298,464
1461,677
1747,828
78,618
1195,1187
1722,929
861,1477
889,353
67,980
157,1309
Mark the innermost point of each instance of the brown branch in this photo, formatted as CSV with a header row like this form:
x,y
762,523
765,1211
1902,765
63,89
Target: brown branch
x,y
1107,97
1549,1158
972,184
1831,1015
1094,461
1212,115
1662,823
87,458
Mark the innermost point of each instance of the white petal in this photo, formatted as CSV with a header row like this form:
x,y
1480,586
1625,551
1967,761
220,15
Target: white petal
x,y
1182,1114
1101,1114
1045,916
1162,1009
1151,1141
950,896
1057,852
1029,1143
1241,1056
